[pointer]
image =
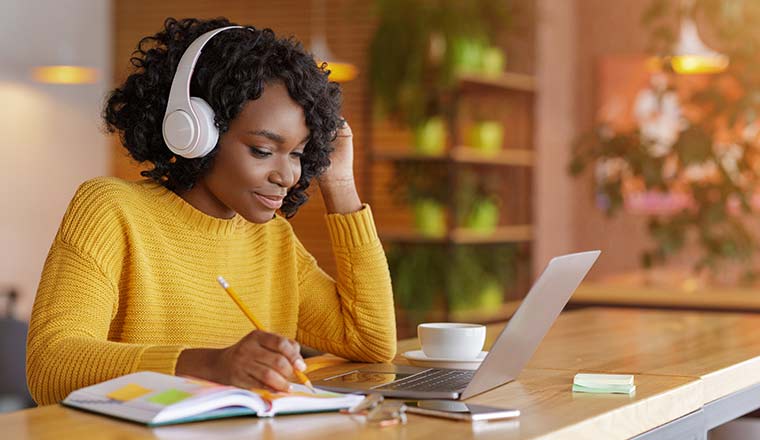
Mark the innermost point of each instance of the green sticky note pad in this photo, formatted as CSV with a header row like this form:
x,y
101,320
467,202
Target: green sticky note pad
x,y
629,389
169,397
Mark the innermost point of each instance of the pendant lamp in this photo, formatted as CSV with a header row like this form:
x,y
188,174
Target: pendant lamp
x,y
691,55
64,69
339,71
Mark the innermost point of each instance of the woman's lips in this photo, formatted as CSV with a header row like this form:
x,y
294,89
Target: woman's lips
x,y
271,202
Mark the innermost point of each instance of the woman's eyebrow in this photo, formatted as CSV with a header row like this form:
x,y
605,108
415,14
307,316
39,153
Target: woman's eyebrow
x,y
268,134
274,136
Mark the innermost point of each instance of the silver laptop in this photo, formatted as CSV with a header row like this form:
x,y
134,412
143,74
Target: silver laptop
x,y
507,357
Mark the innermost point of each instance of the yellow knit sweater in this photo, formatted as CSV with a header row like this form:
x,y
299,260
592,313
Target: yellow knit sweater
x,y
130,281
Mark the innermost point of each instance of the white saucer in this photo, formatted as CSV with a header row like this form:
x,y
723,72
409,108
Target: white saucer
x,y
418,358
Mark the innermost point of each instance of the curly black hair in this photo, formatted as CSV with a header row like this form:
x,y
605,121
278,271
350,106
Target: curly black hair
x,y
233,68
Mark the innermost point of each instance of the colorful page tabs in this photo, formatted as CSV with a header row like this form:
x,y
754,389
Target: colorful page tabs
x,y
169,397
128,392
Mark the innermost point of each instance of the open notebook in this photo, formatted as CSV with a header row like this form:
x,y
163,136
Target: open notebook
x,y
161,399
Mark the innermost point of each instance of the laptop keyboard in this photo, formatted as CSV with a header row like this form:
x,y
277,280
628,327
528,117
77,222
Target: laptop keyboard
x,y
433,380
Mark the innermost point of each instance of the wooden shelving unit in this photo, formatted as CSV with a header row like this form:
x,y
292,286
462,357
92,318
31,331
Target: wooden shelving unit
x,y
508,98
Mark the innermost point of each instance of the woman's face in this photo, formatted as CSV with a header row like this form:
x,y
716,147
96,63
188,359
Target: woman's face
x,y
259,158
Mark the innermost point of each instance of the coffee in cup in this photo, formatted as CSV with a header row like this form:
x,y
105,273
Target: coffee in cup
x,y
451,340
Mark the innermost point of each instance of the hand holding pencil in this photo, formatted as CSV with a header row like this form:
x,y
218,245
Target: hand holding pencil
x,y
277,343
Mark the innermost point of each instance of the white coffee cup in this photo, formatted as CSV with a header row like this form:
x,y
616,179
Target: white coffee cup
x,y
451,340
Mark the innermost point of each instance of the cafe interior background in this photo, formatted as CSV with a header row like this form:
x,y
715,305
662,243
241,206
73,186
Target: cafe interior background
x,y
490,136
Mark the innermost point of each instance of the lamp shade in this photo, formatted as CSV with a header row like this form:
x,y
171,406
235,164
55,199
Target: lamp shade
x,y
339,71
691,56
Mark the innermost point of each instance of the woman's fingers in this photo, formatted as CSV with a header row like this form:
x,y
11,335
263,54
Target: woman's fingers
x,y
261,368
285,347
269,377
260,359
276,362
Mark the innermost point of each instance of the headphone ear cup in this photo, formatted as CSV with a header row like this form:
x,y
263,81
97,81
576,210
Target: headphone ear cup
x,y
208,134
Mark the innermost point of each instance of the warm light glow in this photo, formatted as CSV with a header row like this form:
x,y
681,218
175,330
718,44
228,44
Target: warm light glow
x,y
340,72
693,64
692,56
65,74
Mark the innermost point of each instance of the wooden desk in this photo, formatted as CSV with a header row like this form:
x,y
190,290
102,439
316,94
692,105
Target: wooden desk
x,y
548,408
682,361
722,349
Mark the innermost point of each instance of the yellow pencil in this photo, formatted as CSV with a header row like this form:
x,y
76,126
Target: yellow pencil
x,y
301,377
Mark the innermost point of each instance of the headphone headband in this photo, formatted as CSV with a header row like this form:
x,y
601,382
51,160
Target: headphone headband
x,y
182,126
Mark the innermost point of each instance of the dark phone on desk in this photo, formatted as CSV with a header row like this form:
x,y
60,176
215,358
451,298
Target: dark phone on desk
x,y
452,409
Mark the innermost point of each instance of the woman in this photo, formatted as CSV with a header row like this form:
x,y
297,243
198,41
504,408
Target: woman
x,y
130,280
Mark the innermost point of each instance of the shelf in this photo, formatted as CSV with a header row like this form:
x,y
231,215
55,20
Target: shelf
x,y
514,156
502,234
400,156
465,155
506,81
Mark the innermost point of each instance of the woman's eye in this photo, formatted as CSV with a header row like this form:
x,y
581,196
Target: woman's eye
x,y
258,152
297,154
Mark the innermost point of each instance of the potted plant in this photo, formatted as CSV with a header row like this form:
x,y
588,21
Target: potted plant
x,y
469,278
477,202
698,151
416,271
494,61
483,217
487,136
424,187
420,46
430,137
473,55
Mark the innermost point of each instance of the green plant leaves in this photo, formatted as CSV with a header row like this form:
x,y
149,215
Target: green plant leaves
x,y
694,146
459,274
713,161
409,78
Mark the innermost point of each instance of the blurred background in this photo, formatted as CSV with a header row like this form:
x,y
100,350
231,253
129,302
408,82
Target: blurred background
x,y
490,135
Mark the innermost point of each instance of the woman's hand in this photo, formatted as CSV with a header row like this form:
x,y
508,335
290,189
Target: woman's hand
x,y
342,158
337,182
259,360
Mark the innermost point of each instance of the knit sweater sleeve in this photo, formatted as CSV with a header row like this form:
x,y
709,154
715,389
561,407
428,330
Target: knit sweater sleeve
x,y
353,316
67,345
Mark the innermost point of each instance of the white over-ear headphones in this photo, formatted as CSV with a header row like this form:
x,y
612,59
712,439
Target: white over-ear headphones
x,y
188,127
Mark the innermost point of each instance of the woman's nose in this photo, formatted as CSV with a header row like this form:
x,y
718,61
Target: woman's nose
x,y
283,174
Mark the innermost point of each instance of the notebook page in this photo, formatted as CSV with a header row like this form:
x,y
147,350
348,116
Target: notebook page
x,y
301,400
